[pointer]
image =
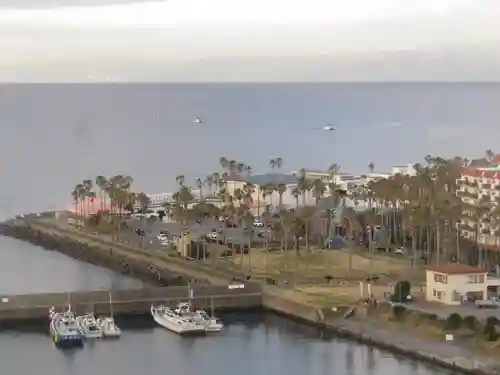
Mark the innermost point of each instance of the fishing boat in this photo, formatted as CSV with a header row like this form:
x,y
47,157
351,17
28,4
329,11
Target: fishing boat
x,y
169,319
108,325
211,324
87,324
64,329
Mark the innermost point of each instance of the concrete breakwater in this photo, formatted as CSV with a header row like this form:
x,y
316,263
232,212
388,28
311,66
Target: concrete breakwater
x,y
441,353
34,307
97,255
144,264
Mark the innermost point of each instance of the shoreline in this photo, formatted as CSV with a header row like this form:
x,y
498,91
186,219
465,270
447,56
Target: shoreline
x,y
370,333
366,332
96,255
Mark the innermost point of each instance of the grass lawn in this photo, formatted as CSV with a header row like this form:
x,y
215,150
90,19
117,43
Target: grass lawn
x,y
318,263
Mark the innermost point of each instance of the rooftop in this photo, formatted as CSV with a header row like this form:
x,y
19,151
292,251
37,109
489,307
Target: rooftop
x,y
455,269
272,178
269,178
495,169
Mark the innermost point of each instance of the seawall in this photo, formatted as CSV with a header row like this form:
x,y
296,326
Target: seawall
x,y
146,265
443,354
32,308
116,261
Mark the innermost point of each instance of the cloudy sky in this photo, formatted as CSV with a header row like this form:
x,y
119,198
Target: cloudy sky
x,y
249,40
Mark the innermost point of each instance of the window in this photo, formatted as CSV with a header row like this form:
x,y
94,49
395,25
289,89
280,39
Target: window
x,y
456,296
476,279
438,278
439,294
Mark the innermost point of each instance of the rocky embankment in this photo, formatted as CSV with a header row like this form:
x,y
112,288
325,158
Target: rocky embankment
x,y
109,258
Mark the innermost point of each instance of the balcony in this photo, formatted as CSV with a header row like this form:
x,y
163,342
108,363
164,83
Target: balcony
x,y
467,194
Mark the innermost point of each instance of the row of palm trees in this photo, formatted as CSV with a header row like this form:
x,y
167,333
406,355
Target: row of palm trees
x,y
115,197
425,212
428,212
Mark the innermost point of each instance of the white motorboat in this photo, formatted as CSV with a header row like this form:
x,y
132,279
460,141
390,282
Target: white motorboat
x,y
211,324
88,326
169,319
109,327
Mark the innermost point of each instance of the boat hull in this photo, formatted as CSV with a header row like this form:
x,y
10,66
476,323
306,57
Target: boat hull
x,y
89,328
109,328
175,325
62,340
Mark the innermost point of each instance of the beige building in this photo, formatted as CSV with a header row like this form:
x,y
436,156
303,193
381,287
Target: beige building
x,y
452,284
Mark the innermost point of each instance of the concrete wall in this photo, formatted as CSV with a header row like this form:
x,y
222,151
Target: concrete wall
x,y
36,306
122,258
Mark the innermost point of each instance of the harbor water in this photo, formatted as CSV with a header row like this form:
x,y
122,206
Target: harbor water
x,y
249,344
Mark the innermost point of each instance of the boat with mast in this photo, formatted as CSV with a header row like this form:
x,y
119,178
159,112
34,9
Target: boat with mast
x,y
108,325
64,328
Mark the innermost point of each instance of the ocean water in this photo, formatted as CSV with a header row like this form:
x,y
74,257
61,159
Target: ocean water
x,y
249,344
53,136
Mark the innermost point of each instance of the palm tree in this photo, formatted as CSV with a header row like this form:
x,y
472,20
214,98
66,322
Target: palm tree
x,y
318,188
143,200
371,167
180,179
199,185
489,155
209,181
276,163
102,183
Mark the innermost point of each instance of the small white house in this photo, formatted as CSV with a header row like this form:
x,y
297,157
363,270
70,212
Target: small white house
x,y
452,284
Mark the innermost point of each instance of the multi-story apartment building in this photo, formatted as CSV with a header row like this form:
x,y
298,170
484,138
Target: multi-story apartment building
x,y
480,187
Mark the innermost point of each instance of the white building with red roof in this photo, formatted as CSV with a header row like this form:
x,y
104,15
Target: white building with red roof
x,y
455,283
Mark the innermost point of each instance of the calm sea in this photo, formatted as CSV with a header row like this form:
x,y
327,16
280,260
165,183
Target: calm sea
x,y
53,136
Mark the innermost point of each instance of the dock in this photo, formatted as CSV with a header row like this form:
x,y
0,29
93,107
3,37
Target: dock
x,y
34,307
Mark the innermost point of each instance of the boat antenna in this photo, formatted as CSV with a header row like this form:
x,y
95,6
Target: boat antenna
x,y
110,305
69,302
190,291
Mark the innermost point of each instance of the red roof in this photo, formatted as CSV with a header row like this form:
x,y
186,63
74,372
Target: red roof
x,y
455,269
474,172
495,160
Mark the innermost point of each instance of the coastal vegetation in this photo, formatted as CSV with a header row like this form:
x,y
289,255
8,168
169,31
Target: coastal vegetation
x,y
426,212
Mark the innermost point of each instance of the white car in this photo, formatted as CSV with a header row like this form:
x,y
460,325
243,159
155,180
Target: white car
x,y
212,235
162,237
258,224
400,251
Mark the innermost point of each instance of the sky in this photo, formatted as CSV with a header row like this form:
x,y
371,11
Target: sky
x,y
249,40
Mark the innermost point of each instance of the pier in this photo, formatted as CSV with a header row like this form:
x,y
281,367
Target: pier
x,y
35,307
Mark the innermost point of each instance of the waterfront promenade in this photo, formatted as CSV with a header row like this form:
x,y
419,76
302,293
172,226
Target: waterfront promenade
x,y
130,302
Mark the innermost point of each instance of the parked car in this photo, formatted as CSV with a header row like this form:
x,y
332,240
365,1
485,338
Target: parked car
x,y
258,224
400,251
212,235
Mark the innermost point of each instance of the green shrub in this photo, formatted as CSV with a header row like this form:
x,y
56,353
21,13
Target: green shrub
x,y
401,291
470,322
454,321
490,329
492,320
399,312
